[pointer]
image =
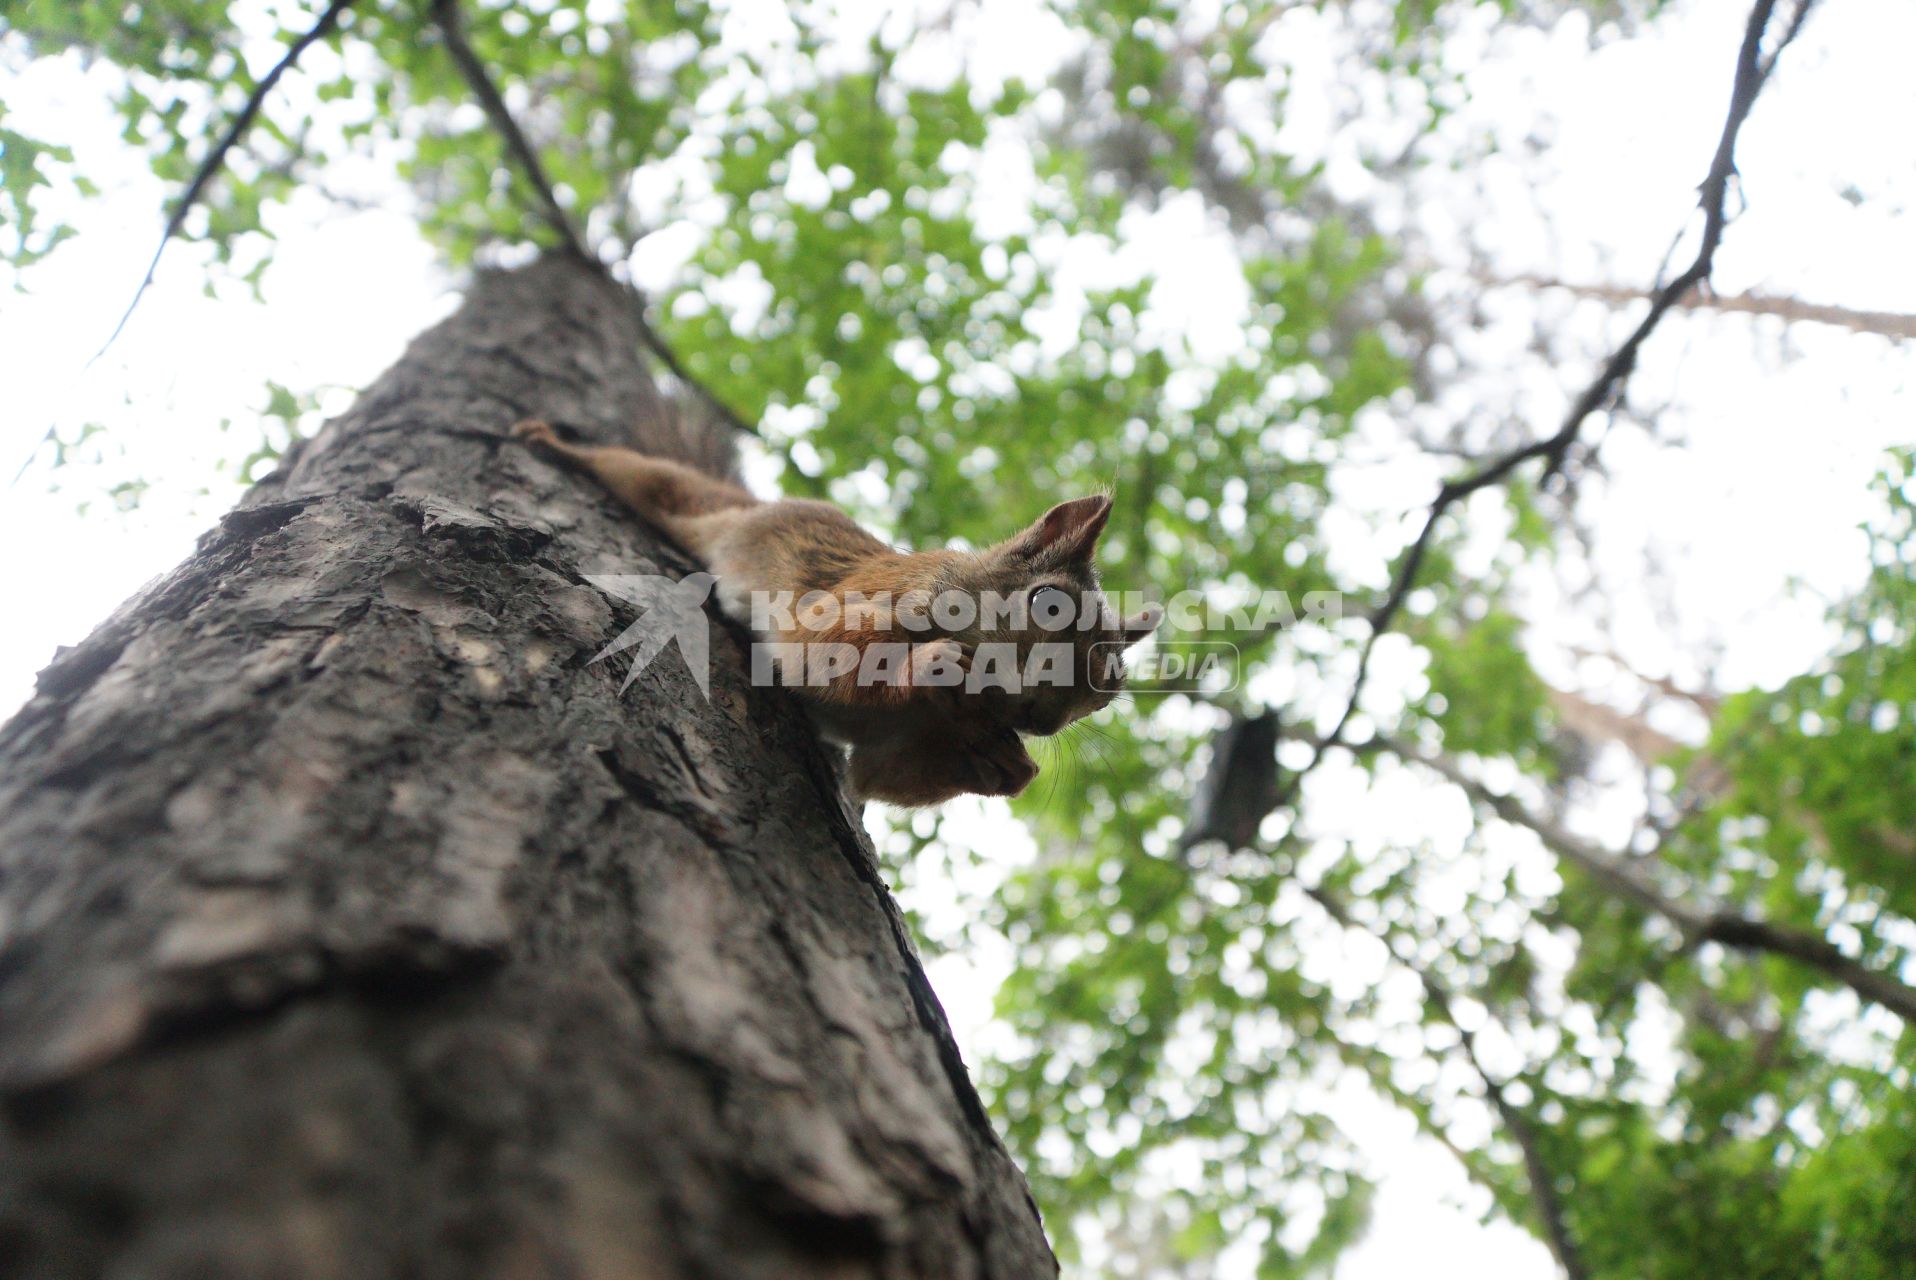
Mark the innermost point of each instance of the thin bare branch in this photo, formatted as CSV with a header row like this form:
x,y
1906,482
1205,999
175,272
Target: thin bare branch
x,y
452,29
1697,925
658,347
1543,1189
1889,324
446,14
203,176
216,158
1752,71
1705,700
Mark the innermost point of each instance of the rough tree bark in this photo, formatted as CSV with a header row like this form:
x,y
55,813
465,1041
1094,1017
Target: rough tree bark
x,y
352,925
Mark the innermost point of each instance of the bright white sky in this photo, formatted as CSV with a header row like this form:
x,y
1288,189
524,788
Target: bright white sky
x,y
1781,429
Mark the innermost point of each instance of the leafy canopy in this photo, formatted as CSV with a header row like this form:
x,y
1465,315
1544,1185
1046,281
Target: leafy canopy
x,y
931,263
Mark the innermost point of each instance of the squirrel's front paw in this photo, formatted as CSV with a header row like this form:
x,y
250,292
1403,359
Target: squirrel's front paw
x,y
536,431
939,663
1002,766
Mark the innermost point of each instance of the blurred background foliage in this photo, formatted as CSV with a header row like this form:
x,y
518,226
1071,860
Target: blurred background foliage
x,y
881,225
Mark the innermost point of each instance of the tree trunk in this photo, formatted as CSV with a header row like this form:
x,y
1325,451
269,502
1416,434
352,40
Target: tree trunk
x,y
353,925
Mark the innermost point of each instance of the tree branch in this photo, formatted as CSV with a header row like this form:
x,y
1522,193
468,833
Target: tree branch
x,y
1698,925
216,158
1543,1190
1752,71
203,176
446,14
447,17
1705,700
657,346
1889,324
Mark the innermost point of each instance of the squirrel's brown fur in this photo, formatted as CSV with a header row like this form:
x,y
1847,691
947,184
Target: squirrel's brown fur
x,y
913,741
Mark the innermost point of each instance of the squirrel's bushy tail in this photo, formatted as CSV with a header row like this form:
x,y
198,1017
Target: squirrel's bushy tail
x,y
682,427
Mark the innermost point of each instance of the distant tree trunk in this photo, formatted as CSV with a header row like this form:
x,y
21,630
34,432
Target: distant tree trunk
x,y
353,925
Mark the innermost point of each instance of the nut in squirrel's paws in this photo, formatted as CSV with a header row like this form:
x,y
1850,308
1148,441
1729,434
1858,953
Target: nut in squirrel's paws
x,y
535,431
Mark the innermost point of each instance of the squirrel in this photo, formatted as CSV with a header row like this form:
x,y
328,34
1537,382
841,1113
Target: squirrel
x,y
925,719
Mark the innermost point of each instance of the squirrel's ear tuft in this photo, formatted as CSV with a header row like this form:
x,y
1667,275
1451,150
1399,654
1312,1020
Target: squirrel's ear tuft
x,y
1141,624
1068,531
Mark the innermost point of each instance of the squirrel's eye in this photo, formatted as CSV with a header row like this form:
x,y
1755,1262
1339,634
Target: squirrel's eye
x,y
1051,608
